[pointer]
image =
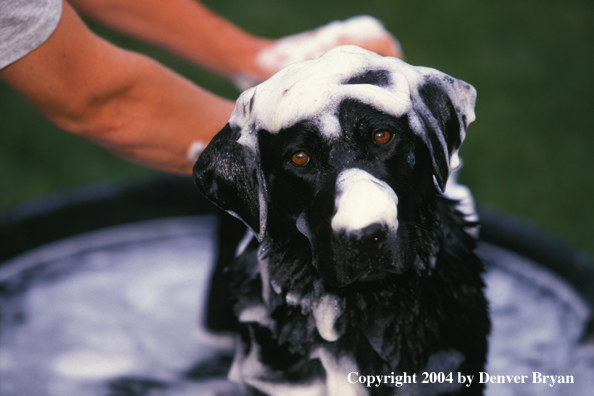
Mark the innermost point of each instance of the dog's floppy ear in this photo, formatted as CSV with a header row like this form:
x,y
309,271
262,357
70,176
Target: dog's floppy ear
x,y
227,174
446,108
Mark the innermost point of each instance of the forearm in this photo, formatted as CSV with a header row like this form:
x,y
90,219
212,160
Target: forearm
x,y
184,27
126,102
155,118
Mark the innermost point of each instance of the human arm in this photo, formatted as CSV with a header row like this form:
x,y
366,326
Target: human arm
x,y
184,27
123,101
192,31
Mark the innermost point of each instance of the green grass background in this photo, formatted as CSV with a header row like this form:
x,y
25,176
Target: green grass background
x,y
530,152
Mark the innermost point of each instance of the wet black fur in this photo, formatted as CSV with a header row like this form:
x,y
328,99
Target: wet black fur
x,y
395,317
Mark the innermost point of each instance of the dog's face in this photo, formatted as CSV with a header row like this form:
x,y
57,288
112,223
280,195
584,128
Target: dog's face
x,y
346,150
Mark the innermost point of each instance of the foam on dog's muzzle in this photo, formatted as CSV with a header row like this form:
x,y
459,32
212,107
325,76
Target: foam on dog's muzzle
x,y
362,200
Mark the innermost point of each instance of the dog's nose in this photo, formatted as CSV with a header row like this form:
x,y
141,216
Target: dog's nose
x,y
363,247
369,238
364,255
363,201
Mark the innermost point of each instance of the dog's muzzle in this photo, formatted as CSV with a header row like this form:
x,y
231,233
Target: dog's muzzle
x,y
363,244
363,201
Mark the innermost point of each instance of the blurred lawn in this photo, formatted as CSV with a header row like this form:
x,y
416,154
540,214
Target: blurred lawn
x,y
530,152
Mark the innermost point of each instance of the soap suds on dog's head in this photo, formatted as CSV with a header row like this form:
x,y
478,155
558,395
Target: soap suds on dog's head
x,y
313,43
309,45
312,90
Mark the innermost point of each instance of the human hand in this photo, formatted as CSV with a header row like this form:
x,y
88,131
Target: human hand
x,y
363,31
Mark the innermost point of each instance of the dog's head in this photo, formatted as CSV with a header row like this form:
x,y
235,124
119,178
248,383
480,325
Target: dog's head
x,y
345,149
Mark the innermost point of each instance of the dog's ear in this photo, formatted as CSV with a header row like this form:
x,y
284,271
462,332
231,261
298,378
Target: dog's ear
x,y
446,107
227,174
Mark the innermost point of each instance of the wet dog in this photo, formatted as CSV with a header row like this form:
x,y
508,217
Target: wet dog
x,y
362,265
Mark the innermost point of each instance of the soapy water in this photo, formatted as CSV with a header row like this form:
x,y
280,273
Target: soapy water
x,y
117,311
124,302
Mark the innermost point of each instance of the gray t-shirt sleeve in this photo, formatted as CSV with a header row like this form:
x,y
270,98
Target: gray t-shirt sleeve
x,y
25,25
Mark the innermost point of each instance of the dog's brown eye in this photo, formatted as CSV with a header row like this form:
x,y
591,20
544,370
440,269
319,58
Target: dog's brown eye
x,y
300,158
382,137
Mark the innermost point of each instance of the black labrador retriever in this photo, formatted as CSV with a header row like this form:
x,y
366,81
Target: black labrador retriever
x,y
361,278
